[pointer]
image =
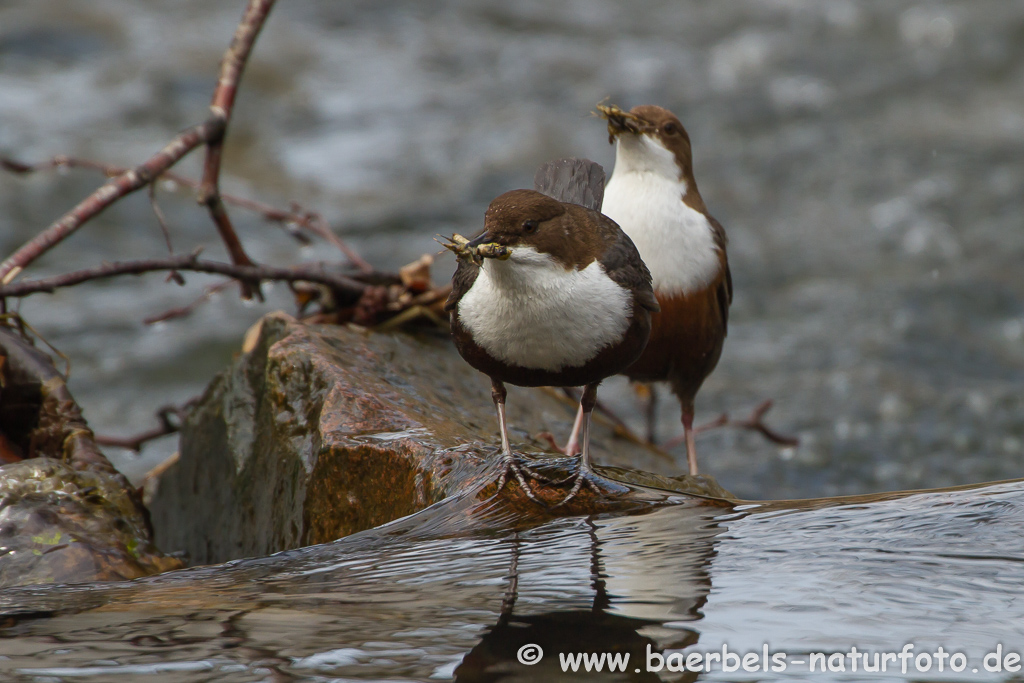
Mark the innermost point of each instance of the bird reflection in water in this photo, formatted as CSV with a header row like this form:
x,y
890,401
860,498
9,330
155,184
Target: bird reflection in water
x,y
623,617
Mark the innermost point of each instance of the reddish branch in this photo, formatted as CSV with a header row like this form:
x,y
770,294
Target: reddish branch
x,y
173,276
754,423
344,288
182,311
211,132
231,68
166,426
114,189
315,223
310,221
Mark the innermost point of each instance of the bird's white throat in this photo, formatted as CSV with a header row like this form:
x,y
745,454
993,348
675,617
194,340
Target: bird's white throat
x,y
645,197
532,312
644,154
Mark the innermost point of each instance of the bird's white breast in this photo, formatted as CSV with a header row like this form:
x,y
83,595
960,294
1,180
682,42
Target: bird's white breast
x,y
532,312
676,242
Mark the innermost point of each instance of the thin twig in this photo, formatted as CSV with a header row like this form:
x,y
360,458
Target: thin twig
x,y
29,333
160,218
315,223
720,421
347,288
158,470
162,222
134,443
754,423
166,426
182,311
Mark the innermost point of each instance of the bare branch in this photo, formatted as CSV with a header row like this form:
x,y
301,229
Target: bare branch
x,y
347,289
211,132
295,215
113,190
166,426
182,311
174,275
160,218
231,68
720,421
234,60
754,423
315,223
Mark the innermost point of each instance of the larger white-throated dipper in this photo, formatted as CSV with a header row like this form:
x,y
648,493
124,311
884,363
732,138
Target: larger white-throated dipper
x,y
565,300
653,196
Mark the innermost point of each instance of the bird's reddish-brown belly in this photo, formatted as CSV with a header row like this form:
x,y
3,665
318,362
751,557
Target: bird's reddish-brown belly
x,y
686,341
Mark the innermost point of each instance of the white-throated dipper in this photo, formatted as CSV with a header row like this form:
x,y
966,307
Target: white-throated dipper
x,y
559,297
653,196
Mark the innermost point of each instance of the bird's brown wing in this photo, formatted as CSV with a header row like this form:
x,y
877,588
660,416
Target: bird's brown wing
x,y
724,291
576,181
462,280
724,296
623,264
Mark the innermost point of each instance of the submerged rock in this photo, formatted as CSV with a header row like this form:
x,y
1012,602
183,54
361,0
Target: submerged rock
x,y
317,432
61,525
66,514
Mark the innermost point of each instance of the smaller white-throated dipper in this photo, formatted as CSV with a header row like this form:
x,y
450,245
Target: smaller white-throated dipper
x,y
560,298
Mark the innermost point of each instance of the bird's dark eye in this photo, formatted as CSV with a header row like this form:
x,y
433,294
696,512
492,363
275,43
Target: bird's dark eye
x,y
530,227
670,128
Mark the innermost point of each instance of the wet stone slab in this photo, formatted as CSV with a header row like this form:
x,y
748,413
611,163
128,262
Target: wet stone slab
x,y
317,432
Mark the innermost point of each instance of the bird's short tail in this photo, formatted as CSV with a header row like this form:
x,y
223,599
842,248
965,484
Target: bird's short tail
x,y
578,181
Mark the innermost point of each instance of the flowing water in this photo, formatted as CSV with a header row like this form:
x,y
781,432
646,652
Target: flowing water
x,y
423,599
867,160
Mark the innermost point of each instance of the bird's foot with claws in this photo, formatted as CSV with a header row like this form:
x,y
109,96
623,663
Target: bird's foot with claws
x,y
583,477
520,473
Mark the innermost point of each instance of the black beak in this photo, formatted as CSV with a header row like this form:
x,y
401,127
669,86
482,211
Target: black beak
x,y
480,239
620,122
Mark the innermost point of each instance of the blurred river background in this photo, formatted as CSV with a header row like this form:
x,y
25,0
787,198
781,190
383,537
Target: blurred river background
x,y
865,158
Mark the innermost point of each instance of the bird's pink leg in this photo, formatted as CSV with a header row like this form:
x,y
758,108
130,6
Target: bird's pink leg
x,y
585,475
691,444
520,472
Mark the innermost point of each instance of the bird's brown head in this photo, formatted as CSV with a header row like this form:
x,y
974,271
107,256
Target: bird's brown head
x,y
652,139
529,222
